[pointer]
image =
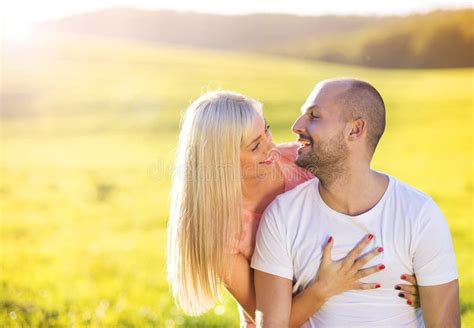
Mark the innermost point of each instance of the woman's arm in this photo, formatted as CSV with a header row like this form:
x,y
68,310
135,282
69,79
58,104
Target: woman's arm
x,y
333,277
241,285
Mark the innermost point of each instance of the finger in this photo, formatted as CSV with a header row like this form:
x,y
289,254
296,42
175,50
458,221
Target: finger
x,y
409,289
410,299
361,285
355,252
417,303
367,257
327,250
412,291
368,271
410,278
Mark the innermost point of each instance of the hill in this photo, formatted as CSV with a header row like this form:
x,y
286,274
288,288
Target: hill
x,y
433,40
208,30
437,40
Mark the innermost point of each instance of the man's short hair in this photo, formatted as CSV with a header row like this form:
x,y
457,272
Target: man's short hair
x,y
362,100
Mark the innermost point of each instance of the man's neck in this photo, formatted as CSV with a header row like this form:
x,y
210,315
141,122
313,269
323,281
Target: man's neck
x,y
354,192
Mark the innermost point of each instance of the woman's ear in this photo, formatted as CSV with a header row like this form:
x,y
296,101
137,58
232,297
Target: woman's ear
x,y
358,128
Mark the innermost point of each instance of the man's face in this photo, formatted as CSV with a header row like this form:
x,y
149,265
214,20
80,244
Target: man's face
x,y
320,129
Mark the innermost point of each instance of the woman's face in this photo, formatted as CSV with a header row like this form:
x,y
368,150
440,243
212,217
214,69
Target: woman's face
x,y
258,153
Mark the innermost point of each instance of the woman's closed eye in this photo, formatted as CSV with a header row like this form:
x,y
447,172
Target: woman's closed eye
x,y
267,129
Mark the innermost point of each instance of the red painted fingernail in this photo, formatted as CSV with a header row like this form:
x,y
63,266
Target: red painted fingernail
x,y
404,277
370,236
330,239
398,288
401,295
409,302
381,267
380,249
377,286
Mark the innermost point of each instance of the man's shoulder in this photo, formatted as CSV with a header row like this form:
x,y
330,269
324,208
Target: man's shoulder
x,y
289,199
414,195
413,199
283,211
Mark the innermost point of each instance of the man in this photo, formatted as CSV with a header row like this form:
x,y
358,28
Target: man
x,y
339,129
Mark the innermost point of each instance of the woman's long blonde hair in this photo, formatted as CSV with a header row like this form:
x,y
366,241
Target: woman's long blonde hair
x,y
206,197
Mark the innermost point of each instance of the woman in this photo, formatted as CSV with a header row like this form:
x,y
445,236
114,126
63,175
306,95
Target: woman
x,y
227,172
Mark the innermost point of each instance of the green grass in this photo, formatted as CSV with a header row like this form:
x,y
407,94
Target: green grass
x,y
89,131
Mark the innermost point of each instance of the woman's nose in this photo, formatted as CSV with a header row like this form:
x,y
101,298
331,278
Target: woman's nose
x,y
269,145
269,137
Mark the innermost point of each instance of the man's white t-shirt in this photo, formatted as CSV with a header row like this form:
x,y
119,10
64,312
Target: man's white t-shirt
x,y
405,222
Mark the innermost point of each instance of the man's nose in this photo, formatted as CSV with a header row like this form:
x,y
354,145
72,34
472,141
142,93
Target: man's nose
x,y
298,126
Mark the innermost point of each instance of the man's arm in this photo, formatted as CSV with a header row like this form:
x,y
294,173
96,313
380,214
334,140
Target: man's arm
x,y
435,269
440,305
274,296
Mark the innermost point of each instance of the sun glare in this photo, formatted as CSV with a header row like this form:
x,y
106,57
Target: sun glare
x,y
17,19
16,32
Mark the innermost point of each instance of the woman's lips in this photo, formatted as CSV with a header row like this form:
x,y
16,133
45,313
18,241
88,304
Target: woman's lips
x,y
270,159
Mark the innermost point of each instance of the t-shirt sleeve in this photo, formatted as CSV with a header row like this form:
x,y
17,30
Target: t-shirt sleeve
x,y
433,257
271,254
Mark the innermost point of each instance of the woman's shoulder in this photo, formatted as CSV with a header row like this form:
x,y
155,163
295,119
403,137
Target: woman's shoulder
x,y
294,175
288,150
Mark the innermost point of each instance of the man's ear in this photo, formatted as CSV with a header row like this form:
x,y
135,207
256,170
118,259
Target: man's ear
x,y
358,127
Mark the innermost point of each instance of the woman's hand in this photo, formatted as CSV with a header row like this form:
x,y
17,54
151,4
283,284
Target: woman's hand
x,y
335,277
409,291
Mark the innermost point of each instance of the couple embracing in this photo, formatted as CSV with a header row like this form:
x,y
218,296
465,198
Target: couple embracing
x,y
304,234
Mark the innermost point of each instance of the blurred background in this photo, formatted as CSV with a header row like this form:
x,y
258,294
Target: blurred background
x,y
92,94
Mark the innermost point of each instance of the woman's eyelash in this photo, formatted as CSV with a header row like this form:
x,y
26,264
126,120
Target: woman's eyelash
x,y
266,130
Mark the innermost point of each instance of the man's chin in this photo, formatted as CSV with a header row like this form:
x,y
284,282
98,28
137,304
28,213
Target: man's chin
x,y
299,161
304,161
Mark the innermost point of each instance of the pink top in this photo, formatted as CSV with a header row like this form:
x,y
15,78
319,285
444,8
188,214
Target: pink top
x,y
293,175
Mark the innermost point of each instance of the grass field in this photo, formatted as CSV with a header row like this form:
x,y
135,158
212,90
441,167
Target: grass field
x,y
89,130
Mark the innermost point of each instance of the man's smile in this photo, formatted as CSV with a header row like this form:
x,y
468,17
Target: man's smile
x,y
304,143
